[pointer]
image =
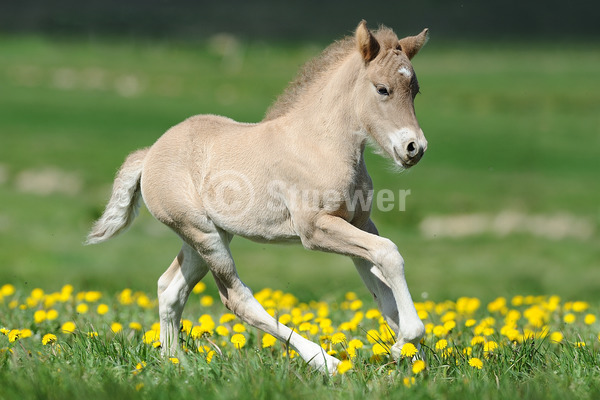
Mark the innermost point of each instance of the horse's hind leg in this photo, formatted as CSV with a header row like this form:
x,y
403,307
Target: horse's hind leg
x,y
174,288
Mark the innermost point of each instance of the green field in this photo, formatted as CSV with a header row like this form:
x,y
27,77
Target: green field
x,y
509,183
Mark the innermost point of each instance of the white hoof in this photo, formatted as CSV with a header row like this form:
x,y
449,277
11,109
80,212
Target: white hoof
x,y
325,363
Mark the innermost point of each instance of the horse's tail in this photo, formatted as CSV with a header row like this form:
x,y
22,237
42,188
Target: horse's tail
x,y
124,203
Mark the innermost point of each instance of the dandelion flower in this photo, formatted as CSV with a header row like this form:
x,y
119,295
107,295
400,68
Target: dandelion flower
x,y
7,290
373,313
489,347
338,337
418,366
39,316
222,331
569,318
408,350
51,315
238,340
174,360
68,327
48,338
589,319
92,335
476,363
136,326
408,381
441,344
206,301
199,288
355,344
25,333
227,317
151,336
556,337
81,308
116,327
344,367
14,335
239,328
379,349
580,344
102,309
268,340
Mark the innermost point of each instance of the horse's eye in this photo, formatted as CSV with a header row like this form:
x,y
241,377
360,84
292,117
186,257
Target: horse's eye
x,y
382,90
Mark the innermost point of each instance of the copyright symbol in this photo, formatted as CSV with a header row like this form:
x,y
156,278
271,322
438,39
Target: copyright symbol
x,y
227,194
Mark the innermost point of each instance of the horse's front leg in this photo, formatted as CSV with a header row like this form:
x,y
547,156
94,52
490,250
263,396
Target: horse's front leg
x,y
382,268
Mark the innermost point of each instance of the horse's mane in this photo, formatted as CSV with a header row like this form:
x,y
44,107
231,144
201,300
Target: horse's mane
x,y
319,65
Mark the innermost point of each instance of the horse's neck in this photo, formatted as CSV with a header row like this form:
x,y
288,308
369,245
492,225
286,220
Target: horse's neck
x,y
326,114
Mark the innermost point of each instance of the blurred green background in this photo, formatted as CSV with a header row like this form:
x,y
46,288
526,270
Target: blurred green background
x,y
505,202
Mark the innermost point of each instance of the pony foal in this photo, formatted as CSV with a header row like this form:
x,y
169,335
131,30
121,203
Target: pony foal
x,y
210,178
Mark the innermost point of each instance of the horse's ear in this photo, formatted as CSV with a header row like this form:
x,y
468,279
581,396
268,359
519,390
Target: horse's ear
x,y
412,44
366,42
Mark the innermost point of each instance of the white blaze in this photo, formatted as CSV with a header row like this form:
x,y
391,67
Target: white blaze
x,y
405,71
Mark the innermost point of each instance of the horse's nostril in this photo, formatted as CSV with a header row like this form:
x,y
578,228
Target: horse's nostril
x,y
412,149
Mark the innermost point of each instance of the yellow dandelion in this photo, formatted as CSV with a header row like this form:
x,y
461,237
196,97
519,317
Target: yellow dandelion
x,y
477,340
408,350
93,296
569,318
51,315
102,309
580,306
199,288
68,327
210,355
379,349
151,336
238,340
373,313
39,316
239,328
92,335
136,326
222,331
373,336
116,327
490,347
338,337
48,338
556,337
418,366
476,363
589,319
441,344
580,344
344,367
174,360
14,335
206,301
25,333
408,381
355,344
156,344
7,290
268,340
81,308
440,330
449,325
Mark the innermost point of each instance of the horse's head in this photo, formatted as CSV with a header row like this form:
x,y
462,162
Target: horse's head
x,y
386,107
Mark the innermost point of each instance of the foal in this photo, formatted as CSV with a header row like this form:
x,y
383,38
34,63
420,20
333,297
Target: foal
x,y
210,178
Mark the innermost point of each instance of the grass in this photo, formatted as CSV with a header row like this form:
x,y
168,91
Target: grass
x,y
510,128
530,347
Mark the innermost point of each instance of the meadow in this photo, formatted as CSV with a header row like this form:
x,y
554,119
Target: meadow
x,y
504,204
